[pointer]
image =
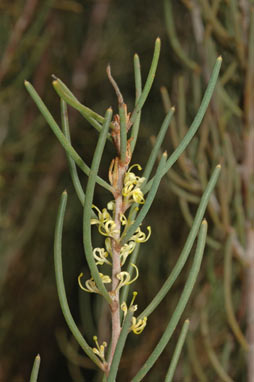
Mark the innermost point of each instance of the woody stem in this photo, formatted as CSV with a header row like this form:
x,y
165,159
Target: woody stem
x,y
116,262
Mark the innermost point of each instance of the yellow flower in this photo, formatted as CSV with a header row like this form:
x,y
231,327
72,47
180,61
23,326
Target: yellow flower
x,y
108,229
100,256
106,225
140,237
125,278
138,326
126,250
103,216
90,284
100,349
131,189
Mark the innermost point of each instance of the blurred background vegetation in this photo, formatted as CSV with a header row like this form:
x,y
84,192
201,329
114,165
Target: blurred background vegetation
x,y
75,40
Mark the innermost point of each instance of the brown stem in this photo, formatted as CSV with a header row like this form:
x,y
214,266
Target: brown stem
x,y
116,264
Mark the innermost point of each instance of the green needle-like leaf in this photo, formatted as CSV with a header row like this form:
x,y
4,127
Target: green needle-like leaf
x,y
196,122
60,283
60,136
91,116
87,240
64,92
158,143
187,247
119,347
138,86
182,302
150,197
177,352
149,81
35,369
73,170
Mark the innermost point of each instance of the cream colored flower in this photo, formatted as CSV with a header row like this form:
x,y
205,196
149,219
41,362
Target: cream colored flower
x,y
131,188
140,237
100,349
100,255
105,223
125,278
126,250
138,326
90,284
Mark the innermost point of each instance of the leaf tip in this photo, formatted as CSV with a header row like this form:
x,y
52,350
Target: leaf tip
x,y
204,222
158,40
219,58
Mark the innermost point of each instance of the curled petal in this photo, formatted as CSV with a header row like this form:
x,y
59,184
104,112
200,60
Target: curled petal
x,y
125,278
138,326
90,284
140,237
124,309
126,250
108,229
123,219
100,256
108,245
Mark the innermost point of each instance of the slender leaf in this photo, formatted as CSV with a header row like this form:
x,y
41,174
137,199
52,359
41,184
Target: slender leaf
x,y
187,247
60,136
35,369
149,81
73,170
177,352
196,122
182,302
158,143
87,240
138,86
60,283
91,116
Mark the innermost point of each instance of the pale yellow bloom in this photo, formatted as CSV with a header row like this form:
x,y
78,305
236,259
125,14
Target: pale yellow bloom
x,y
90,284
100,255
126,250
125,278
138,326
103,216
106,225
108,228
100,349
131,188
140,237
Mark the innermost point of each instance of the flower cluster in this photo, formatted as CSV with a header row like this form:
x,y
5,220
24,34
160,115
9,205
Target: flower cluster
x,y
131,189
108,227
137,326
99,350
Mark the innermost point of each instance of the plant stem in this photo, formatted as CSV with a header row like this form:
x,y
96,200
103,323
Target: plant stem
x,y
116,264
